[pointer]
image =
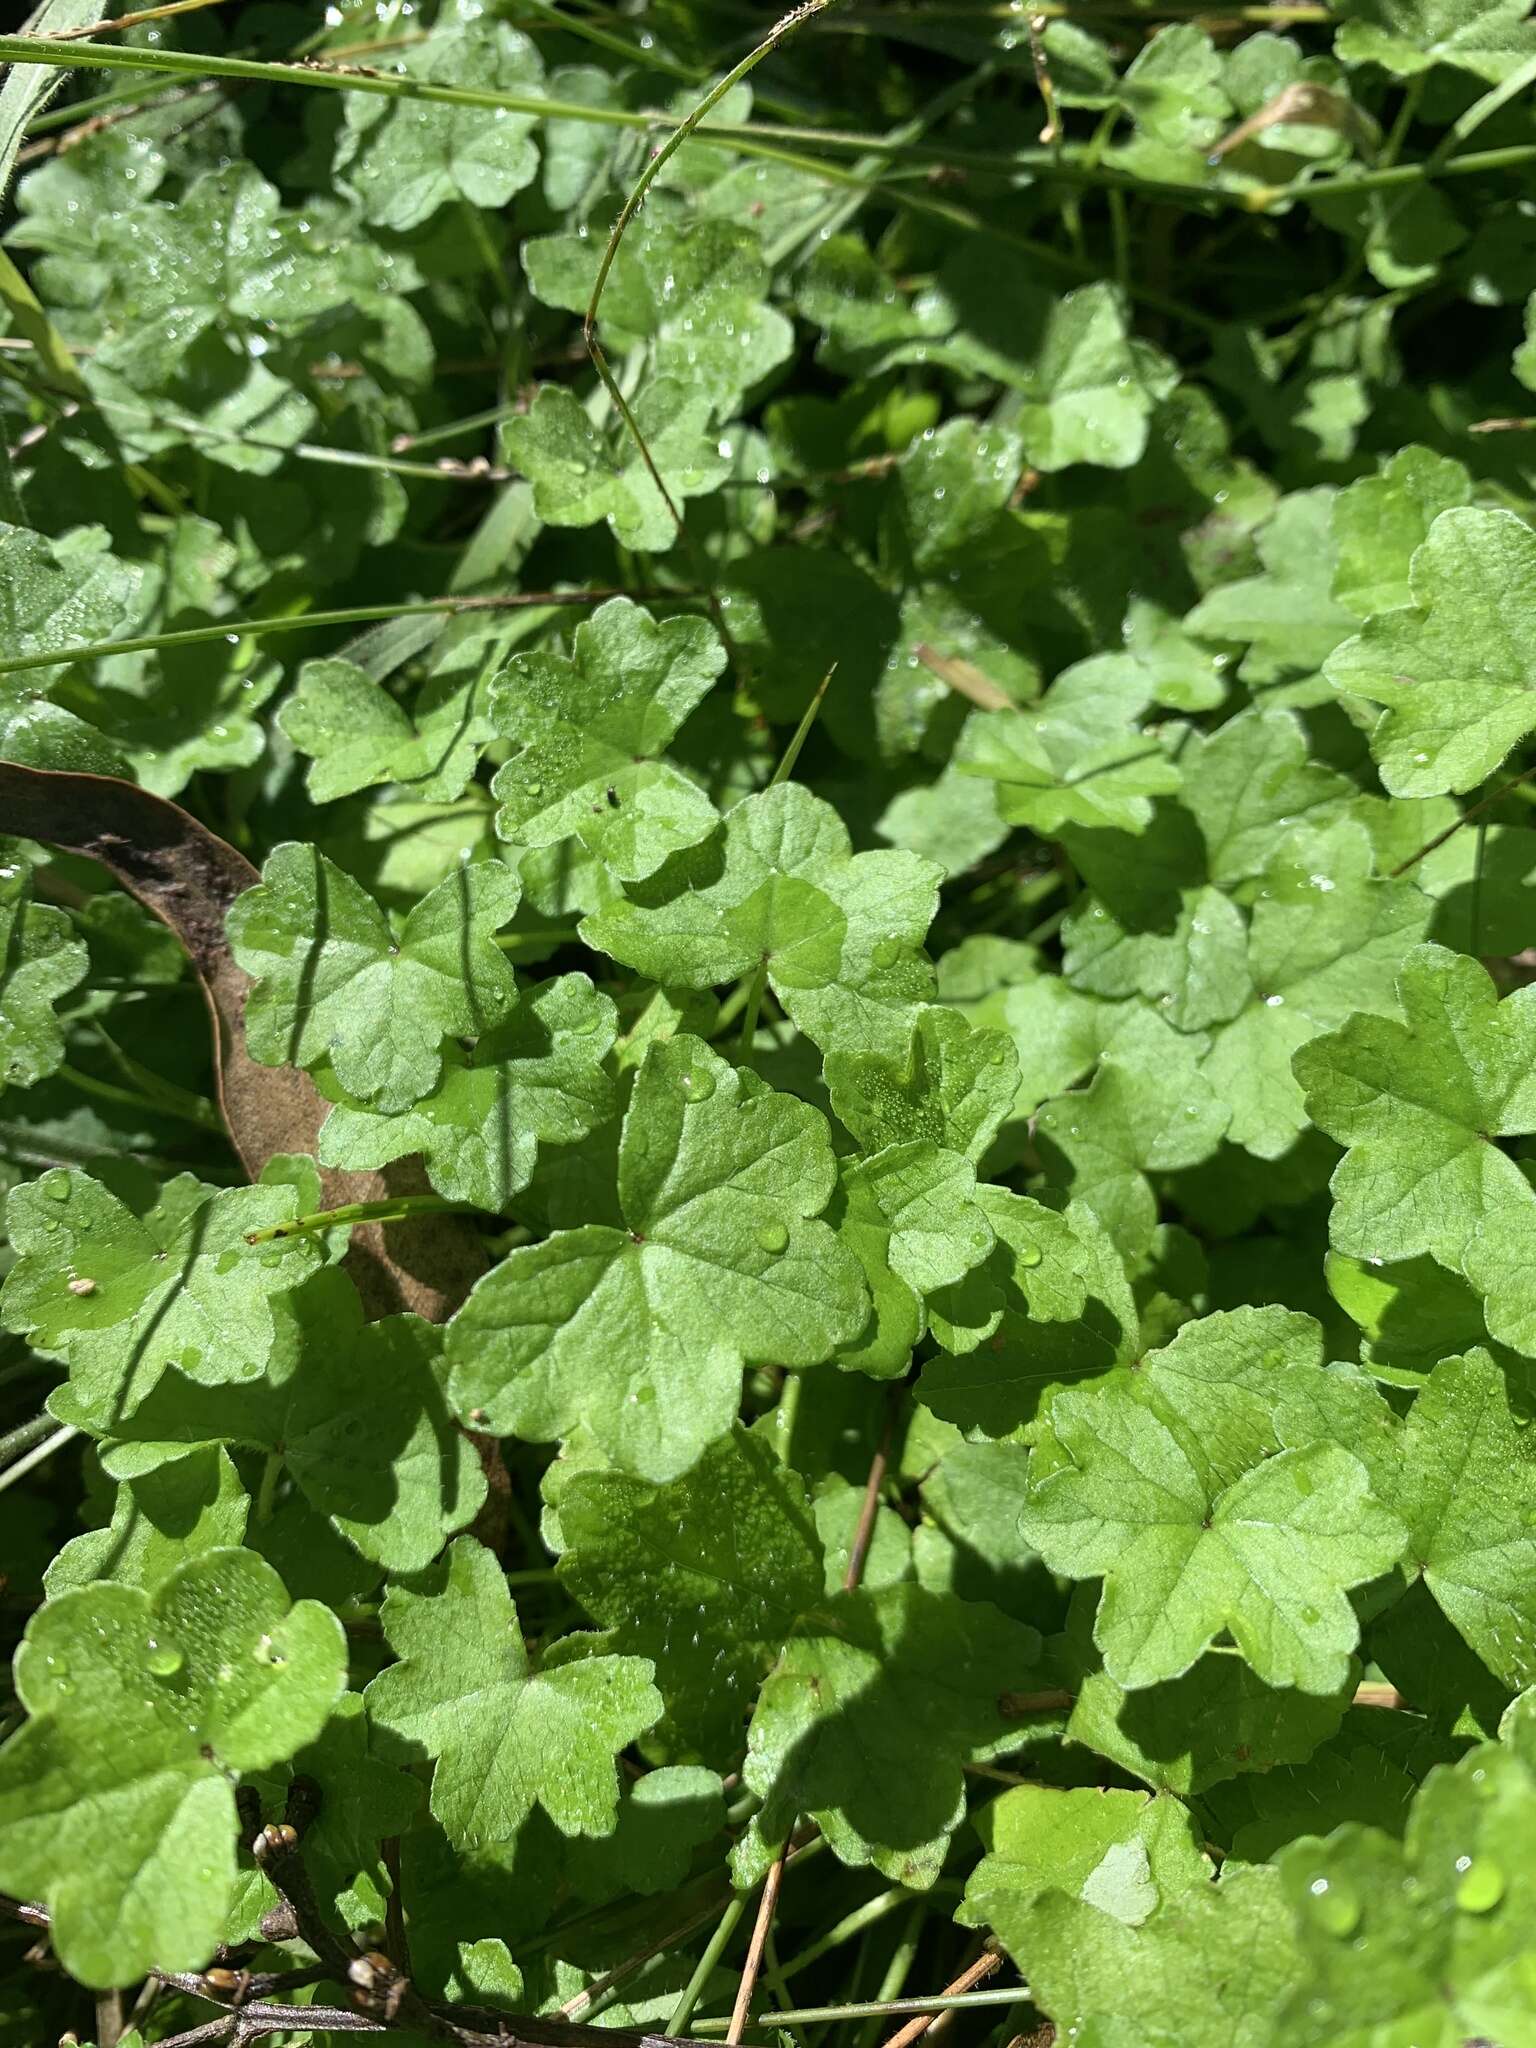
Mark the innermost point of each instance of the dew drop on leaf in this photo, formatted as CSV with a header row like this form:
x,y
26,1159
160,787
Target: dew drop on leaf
x,y
163,1659
1333,1907
1481,1886
773,1237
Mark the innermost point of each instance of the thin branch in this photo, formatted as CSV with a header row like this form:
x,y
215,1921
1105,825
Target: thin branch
x,y
863,1535
1472,811
985,1965
102,28
766,1907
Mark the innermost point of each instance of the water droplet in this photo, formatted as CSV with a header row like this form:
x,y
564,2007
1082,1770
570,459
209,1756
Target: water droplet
x,y
55,1185
1481,1886
699,1085
533,788
1333,1906
164,1659
1029,1254
773,1237
885,952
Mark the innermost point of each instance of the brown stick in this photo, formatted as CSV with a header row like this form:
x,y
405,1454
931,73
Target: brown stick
x,y
984,1966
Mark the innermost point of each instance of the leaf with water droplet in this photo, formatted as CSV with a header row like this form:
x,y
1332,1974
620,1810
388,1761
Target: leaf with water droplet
x,y
502,1737
108,1781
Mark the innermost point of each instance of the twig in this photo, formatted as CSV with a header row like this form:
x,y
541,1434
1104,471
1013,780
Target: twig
x,y
985,1965
754,1960
863,1535
102,28
1472,811
1051,132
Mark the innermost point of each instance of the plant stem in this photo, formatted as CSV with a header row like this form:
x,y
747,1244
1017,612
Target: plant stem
x,y
293,622
24,1436
714,1948
880,2008
755,988
851,1926
36,1456
898,1969
266,1492
393,1209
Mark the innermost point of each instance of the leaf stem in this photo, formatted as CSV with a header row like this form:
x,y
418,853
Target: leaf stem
x,y
205,1117
266,1492
703,1969
393,1209
294,622
24,1436
880,2008
36,1456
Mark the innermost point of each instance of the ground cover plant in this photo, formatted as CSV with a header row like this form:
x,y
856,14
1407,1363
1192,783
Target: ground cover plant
x,y
768,1023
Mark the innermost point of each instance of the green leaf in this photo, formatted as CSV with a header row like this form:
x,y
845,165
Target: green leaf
x,y
56,595
42,961
368,1436
1216,1721
910,1217
1468,1495
502,1738
1288,617
1150,1108
647,1562
333,983
362,1803
1206,1969
778,886
406,158
1050,1305
534,1080
1082,758
1450,668
590,731
1199,1526
358,735
1485,37
954,1086
159,1519
178,1287
1326,940
1420,1104
693,290
875,1706
665,1817
580,475
1121,1852
1379,522
116,1803
1428,1939
640,1331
